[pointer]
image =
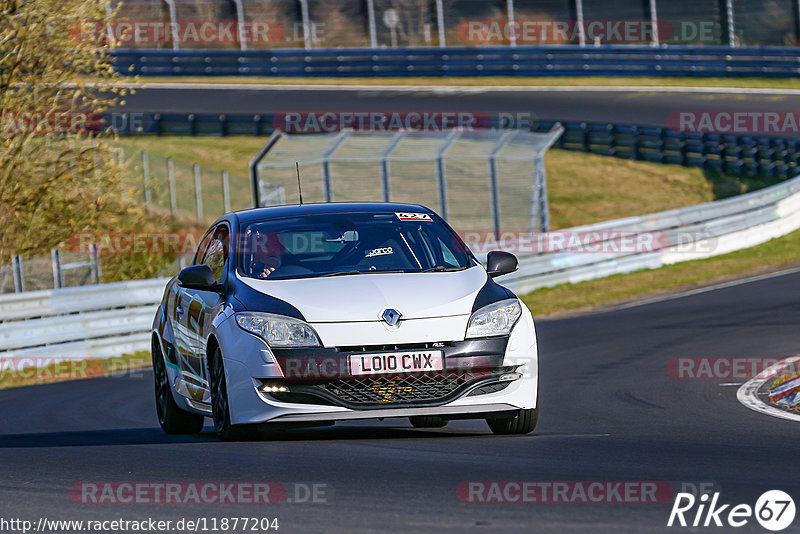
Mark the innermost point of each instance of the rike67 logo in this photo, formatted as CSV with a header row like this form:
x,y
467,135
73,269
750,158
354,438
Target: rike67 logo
x,y
774,510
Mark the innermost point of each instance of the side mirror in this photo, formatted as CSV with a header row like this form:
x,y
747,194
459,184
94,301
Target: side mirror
x,y
197,277
499,263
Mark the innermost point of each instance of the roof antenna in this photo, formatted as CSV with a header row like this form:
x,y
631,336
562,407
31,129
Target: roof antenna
x,y
299,187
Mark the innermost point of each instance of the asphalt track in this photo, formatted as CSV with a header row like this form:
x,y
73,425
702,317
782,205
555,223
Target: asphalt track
x,y
649,107
609,412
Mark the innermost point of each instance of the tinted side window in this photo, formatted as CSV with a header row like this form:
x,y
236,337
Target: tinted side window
x,y
216,254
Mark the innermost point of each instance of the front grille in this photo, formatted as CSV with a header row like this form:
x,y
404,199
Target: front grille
x,y
395,389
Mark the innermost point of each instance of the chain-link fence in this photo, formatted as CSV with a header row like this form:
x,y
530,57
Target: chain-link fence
x,y
249,24
189,190
483,180
62,268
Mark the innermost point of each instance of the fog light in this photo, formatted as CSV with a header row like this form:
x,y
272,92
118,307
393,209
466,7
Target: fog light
x,y
273,388
508,377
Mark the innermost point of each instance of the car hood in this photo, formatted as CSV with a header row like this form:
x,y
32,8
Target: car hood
x,y
364,297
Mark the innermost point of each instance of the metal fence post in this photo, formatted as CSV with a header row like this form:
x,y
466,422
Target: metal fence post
x,y
327,186
512,36
441,175
173,19
440,24
226,192
19,276
540,187
198,191
306,23
494,188
146,178
173,197
654,22
240,22
58,274
95,263
579,22
386,185
373,32
729,23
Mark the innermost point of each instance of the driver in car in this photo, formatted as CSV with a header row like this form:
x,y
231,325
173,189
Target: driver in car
x,y
267,254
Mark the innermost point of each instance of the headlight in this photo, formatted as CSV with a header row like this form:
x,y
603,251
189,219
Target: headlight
x,y
495,319
278,330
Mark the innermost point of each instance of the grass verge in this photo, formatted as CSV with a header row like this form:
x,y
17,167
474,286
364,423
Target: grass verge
x,y
493,81
10,376
774,255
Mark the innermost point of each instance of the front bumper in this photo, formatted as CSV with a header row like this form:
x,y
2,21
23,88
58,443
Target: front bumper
x,y
322,389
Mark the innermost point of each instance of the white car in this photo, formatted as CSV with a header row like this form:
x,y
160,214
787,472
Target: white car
x,y
306,315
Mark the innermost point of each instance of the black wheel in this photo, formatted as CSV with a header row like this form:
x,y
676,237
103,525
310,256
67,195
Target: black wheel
x,y
427,421
522,423
172,419
219,403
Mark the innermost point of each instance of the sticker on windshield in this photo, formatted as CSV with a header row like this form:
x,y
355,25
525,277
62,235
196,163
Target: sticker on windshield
x,y
414,217
385,251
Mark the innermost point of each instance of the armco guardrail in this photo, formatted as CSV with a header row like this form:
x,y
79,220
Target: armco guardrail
x,y
98,321
111,319
684,234
562,60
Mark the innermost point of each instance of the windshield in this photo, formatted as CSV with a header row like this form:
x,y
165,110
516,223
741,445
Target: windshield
x,y
348,244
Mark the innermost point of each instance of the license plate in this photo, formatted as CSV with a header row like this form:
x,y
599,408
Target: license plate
x,y
396,362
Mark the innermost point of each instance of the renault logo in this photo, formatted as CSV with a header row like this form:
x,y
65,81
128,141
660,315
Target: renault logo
x,y
392,317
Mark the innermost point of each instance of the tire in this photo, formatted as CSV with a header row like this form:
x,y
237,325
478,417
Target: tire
x,y
427,421
173,420
219,404
522,423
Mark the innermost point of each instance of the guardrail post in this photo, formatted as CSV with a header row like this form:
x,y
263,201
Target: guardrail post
x,y
440,24
198,191
257,125
612,140
192,118
146,177
226,192
173,198
58,274
19,276
223,125
637,143
587,147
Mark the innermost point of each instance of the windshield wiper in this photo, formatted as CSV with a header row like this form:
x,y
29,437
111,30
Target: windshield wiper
x,y
348,273
443,269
